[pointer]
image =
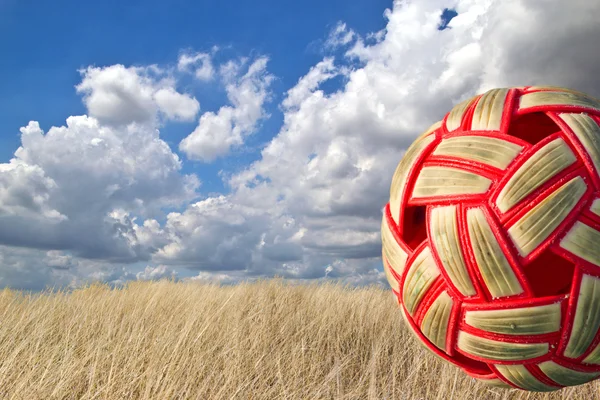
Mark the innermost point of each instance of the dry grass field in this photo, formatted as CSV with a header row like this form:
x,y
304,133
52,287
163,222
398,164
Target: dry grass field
x,y
262,340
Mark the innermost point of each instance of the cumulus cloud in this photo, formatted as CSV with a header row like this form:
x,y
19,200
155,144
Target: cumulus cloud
x,y
23,269
339,36
64,189
344,272
200,64
176,106
310,206
156,273
60,260
25,190
213,234
35,270
70,193
306,85
218,132
540,44
121,95
330,166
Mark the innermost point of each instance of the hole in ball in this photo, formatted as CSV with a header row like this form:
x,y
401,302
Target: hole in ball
x,y
533,127
549,274
472,366
414,228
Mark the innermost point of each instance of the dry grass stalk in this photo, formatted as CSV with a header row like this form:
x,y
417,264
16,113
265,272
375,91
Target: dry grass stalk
x,y
263,340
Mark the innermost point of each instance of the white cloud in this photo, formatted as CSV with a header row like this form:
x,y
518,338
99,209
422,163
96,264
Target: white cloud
x,y
25,190
30,269
64,188
541,44
330,166
339,36
156,273
213,234
60,260
344,272
24,269
199,63
305,87
218,132
72,191
176,106
118,95
310,207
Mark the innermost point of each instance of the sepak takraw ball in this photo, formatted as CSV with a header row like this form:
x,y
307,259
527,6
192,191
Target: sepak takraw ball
x,y
491,237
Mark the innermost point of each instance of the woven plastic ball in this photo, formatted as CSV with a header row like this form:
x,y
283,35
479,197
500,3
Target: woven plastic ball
x,y
491,237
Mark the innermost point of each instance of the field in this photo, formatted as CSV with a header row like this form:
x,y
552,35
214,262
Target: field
x,y
262,340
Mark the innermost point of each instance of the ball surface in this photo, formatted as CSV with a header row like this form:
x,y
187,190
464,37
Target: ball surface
x,y
491,237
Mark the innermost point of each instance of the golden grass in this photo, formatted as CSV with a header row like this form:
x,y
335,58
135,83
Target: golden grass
x,y
263,340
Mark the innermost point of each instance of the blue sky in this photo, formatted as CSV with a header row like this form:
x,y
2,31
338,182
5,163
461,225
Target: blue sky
x,y
51,41
228,141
